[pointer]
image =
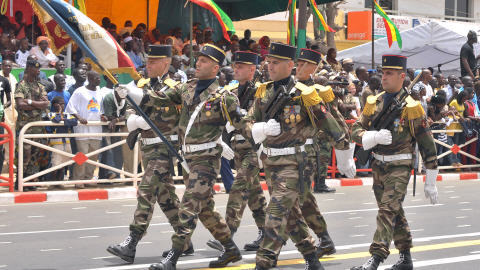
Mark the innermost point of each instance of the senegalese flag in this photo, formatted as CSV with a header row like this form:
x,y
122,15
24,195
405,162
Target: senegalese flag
x,y
323,25
392,31
292,22
222,17
80,5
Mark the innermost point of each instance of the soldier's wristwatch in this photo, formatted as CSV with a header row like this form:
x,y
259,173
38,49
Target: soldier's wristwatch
x,y
29,101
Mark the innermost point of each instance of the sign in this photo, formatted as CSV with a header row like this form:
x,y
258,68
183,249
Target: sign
x,y
402,22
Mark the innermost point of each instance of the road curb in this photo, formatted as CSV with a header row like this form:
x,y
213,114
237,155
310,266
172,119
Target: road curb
x,y
131,192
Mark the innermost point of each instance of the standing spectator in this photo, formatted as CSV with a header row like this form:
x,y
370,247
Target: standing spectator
x,y
426,77
347,65
6,72
60,67
450,89
469,126
108,88
106,23
7,47
32,104
372,88
332,61
44,54
60,91
20,27
133,51
437,119
22,54
177,64
80,76
362,75
86,105
246,40
467,56
458,108
264,45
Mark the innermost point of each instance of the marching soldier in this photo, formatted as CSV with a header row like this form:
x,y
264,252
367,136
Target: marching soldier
x,y
281,119
203,117
390,125
246,188
157,183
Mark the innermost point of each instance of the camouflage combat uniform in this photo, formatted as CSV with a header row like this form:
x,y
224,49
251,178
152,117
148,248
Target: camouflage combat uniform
x,y
31,154
284,170
390,179
157,183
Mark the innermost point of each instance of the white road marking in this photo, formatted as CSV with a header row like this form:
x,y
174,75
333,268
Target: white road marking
x,y
454,197
357,235
449,187
352,213
35,216
129,205
5,242
410,213
417,230
144,243
328,200
106,257
339,193
461,217
113,212
463,202
368,203
71,221
376,209
3,266
354,217
360,226
88,236
3,225
168,231
474,252
3,211
449,191
463,226
78,208
50,249
416,200
466,209
441,261
201,249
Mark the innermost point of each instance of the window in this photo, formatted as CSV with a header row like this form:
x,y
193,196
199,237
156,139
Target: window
x,y
385,4
458,8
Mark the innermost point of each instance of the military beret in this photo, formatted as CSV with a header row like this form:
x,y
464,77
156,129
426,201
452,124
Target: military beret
x,y
212,51
310,56
282,51
159,51
32,63
245,58
394,62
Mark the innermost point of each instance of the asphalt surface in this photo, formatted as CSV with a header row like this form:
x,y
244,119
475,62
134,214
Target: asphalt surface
x,y
74,235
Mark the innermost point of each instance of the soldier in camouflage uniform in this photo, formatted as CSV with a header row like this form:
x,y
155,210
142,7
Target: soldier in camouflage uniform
x,y
283,154
246,188
157,183
393,147
32,104
205,111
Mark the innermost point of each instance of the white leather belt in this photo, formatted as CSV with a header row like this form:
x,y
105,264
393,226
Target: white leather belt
x,y
190,148
148,141
309,141
239,137
274,152
390,158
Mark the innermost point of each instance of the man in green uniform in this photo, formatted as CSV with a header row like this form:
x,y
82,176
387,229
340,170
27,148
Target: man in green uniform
x,y
282,118
246,188
157,183
32,104
205,111
390,125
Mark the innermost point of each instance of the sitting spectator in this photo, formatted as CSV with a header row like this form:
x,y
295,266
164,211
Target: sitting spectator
x,y
60,67
60,91
44,54
332,61
32,31
7,47
264,43
57,115
22,53
133,51
457,138
190,73
20,25
176,64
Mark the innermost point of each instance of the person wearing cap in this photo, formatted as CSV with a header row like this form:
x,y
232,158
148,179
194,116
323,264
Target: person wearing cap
x,y
133,51
31,104
347,66
246,183
319,150
204,110
283,154
42,51
157,184
393,149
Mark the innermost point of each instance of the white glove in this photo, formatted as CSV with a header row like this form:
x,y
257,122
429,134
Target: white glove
x,y
229,127
372,138
259,154
134,92
132,122
261,130
345,162
227,152
431,185
122,91
141,123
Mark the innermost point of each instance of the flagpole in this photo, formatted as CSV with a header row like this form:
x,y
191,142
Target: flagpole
x,y
191,34
373,35
69,51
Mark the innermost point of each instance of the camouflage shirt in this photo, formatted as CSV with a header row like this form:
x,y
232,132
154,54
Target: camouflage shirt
x,y
34,91
404,134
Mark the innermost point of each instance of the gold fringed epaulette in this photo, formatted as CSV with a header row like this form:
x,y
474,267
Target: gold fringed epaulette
x,y
413,110
309,95
257,84
325,92
261,90
170,83
230,87
371,105
142,82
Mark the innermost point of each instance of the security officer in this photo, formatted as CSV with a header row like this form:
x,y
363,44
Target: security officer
x,y
246,188
391,134
283,131
203,117
157,183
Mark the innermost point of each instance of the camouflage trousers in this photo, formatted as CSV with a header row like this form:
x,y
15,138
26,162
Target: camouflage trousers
x,y
324,150
156,187
390,181
284,217
246,189
197,203
31,157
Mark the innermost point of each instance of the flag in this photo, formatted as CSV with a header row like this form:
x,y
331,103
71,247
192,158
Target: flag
x,y
392,31
96,43
52,29
291,24
80,5
323,25
222,17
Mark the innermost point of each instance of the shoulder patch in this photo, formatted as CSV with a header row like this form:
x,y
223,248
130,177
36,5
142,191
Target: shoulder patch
x,y
261,89
171,83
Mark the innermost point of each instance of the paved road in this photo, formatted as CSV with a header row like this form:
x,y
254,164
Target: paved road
x,y
74,235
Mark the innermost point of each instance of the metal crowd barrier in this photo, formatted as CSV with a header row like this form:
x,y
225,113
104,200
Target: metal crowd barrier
x,y
8,138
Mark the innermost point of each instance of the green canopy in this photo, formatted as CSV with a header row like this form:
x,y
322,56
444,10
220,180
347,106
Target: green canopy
x,y
172,14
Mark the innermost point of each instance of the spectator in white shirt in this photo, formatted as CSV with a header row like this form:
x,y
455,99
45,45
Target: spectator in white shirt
x,y
60,67
22,53
45,56
426,77
177,64
450,89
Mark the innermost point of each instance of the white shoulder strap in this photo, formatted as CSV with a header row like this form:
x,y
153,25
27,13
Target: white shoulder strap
x,y
192,119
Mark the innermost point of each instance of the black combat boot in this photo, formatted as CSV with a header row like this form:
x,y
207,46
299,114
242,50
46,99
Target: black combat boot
x,y
326,246
404,262
371,264
321,187
230,253
169,263
126,250
187,251
258,267
312,263
215,244
256,244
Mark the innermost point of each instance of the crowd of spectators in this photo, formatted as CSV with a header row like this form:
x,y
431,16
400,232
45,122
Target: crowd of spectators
x,y
450,102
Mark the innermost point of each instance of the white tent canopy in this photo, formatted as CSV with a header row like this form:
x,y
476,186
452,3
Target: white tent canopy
x,y
427,45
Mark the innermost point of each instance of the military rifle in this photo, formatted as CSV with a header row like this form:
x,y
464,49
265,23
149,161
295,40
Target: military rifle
x,y
277,102
249,91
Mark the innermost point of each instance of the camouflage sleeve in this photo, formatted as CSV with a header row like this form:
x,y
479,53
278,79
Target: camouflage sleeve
x,y
426,143
232,110
19,91
327,123
169,96
359,128
340,119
